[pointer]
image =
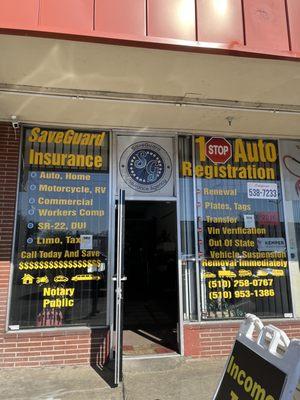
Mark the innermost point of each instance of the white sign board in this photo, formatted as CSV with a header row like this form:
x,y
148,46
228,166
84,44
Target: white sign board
x,y
249,221
86,242
271,244
262,190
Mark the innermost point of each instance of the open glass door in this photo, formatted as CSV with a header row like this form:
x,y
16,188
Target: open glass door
x,y
119,289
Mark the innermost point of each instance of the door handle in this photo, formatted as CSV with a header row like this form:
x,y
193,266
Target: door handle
x,y
123,278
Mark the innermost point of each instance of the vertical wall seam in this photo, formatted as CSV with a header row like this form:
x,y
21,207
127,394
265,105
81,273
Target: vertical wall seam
x,y
196,20
288,24
244,22
39,12
146,17
94,15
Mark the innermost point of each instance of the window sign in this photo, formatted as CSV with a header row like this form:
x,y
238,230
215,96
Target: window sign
x,y
241,241
60,257
145,166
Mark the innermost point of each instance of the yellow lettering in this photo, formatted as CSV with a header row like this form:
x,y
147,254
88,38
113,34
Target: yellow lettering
x,y
186,168
261,149
271,153
47,159
252,152
47,291
92,137
43,137
233,395
85,139
98,161
51,136
34,135
240,374
199,170
31,156
248,384
230,364
89,161
234,371
200,140
239,151
68,136
258,392
59,137
46,303
99,139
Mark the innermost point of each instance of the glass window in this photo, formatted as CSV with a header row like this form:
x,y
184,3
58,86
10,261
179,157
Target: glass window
x,y
241,241
61,238
290,159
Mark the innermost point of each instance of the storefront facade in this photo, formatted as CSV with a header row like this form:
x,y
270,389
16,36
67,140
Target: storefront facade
x,y
211,194
211,234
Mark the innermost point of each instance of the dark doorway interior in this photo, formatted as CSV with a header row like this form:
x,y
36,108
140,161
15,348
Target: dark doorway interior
x,y
151,291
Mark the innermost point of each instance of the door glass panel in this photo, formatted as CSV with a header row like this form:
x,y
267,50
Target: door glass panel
x,y
187,228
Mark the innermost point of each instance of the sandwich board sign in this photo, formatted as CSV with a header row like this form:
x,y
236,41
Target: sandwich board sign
x,y
266,368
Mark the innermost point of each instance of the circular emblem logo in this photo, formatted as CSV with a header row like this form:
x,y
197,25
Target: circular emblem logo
x,y
145,167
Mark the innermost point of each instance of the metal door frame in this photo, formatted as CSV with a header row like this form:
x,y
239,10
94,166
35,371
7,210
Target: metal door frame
x,y
119,290
175,198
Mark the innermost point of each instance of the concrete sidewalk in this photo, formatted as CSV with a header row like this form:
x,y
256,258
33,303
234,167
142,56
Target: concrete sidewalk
x,y
172,379
166,378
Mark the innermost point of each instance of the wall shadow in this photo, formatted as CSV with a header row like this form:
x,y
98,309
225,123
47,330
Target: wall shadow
x,y
99,355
